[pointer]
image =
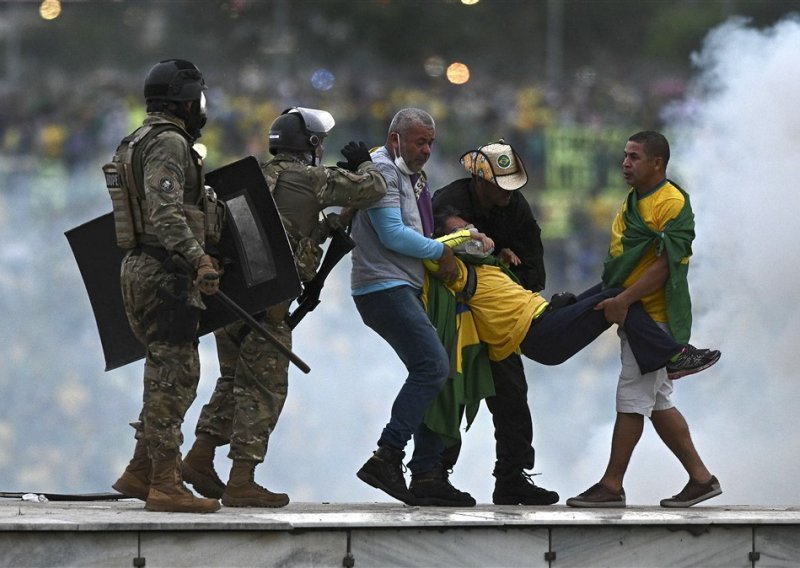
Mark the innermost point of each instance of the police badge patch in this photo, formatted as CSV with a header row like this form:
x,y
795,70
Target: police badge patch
x,y
166,185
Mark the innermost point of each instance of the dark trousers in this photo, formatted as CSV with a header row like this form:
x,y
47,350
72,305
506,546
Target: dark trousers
x,y
560,333
513,426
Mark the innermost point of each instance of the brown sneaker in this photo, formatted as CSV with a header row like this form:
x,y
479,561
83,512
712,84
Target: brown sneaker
x,y
693,493
598,495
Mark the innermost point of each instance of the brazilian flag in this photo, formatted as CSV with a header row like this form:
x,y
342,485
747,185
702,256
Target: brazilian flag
x,y
675,241
470,377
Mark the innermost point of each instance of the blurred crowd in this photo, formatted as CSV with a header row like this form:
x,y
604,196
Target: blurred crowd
x,y
54,139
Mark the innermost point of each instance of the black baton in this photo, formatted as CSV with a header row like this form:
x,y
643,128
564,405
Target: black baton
x,y
256,326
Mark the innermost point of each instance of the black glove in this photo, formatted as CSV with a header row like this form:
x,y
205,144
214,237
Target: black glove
x,y
356,154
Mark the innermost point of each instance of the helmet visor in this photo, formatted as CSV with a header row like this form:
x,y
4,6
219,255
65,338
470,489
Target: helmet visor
x,y
317,121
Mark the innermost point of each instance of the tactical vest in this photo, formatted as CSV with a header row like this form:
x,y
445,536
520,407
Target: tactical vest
x,y
297,202
204,213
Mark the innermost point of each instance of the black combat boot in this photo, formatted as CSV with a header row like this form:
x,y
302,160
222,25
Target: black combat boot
x,y
433,488
517,488
384,471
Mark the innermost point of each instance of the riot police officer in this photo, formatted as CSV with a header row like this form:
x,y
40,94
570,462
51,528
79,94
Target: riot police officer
x,y
250,394
168,216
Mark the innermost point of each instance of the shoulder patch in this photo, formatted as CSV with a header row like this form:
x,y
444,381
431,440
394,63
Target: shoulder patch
x,y
167,185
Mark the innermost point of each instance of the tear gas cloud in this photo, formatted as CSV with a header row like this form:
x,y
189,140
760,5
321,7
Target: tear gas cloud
x,y
735,141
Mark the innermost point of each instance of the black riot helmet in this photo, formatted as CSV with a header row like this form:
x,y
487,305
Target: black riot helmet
x,y
177,81
300,130
173,80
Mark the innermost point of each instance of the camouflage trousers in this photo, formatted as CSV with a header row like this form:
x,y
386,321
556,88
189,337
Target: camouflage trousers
x,y
171,370
250,393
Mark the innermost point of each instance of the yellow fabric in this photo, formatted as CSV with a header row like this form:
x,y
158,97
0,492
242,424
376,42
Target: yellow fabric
x,y
657,209
451,240
502,309
470,379
465,322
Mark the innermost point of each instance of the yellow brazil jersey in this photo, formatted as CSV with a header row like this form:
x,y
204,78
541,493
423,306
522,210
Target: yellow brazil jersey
x,y
502,309
657,209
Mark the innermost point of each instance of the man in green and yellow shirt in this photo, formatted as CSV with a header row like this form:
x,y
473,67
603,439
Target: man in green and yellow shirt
x,y
651,241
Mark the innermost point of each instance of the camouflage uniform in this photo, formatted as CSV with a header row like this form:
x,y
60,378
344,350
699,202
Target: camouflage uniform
x,y
171,177
250,394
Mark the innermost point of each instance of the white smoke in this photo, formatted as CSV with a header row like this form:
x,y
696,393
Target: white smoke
x,y
734,140
735,143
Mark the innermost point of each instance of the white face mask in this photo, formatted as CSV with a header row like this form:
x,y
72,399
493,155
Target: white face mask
x,y
400,163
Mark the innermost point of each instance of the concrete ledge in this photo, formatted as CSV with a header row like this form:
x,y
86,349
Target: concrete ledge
x,y
122,533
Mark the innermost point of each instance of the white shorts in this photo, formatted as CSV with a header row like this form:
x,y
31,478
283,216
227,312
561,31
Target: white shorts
x,y
638,393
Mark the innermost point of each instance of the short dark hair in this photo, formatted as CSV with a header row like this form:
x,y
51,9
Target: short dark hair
x,y
441,217
655,144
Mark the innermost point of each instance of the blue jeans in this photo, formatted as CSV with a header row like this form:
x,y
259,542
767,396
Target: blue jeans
x,y
397,315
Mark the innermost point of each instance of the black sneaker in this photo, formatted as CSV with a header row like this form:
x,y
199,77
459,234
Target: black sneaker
x,y
433,488
519,489
692,360
384,471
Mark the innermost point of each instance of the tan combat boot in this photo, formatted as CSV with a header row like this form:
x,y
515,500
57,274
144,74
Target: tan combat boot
x,y
242,491
167,492
135,480
198,467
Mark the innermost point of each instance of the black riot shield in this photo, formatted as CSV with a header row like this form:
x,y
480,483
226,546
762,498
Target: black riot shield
x,y
259,266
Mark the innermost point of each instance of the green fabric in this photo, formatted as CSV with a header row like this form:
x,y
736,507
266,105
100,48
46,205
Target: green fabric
x,y
490,260
676,240
463,391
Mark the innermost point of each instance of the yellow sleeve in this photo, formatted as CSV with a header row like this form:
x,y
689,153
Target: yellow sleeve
x,y
451,240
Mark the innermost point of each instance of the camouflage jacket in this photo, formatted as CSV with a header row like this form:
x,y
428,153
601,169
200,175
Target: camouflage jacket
x,y
172,183
302,192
